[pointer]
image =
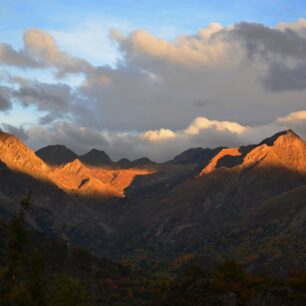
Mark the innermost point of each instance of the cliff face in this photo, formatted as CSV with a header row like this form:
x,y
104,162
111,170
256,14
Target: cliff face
x,y
20,158
75,177
285,149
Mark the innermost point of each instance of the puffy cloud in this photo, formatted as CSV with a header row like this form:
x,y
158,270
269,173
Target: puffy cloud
x,y
11,57
204,48
202,123
61,132
20,132
296,121
282,49
281,77
40,50
5,103
220,86
42,46
157,135
163,144
297,26
269,42
293,117
54,101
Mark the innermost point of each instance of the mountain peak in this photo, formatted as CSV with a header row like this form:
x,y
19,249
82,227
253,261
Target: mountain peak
x,y
289,135
284,149
18,156
75,165
96,152
96,157
56,155
76,162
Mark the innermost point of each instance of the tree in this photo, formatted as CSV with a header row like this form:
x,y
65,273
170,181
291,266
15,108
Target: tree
x,y
23,279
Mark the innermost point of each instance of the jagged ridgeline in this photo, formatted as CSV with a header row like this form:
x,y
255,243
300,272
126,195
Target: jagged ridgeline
x,y
205,205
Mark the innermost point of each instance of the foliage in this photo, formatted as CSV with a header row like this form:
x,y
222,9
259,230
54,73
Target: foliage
x,y
61,275
23,279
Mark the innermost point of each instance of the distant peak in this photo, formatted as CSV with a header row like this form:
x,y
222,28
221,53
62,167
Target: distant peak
x,y
60,146
55,148
96,157
124,160
75,164
56,154
96,152
288,134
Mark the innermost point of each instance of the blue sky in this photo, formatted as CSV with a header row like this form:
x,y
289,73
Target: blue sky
x,y
71,20
154,16
166,19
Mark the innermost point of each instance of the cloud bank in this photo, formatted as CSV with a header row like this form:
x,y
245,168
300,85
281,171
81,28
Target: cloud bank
x,y
221,86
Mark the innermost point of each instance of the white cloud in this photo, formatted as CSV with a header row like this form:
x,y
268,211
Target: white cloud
x,y
159,145
293,117
202,123
298,26
204,48
158,135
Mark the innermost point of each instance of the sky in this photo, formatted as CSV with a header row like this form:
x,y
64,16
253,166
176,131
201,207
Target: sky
x,y
151,78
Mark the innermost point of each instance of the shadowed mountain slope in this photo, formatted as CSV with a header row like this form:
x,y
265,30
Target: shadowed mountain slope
x,y
96,158
187,217
55,155
221,201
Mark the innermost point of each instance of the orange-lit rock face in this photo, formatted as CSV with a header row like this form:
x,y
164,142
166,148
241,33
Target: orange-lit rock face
x,y
94,181
287,150
291,151
214,161
119,180
19,157
73,177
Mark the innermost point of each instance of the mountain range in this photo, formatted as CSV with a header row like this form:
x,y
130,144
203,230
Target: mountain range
x,y
246,202
56,155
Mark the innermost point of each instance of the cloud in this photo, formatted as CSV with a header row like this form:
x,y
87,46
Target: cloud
x,y
269,42
11,57
77,138
220,86
282,49
293,117
158,135
42,46
296,121
202,123
298,26
40,50
204,48
163,144
20,132
5,103
53,101
280,77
